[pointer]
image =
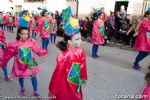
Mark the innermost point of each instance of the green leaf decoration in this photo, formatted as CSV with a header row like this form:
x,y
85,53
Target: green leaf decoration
x,y
101,30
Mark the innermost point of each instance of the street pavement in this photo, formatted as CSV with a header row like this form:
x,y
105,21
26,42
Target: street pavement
x,y
109,76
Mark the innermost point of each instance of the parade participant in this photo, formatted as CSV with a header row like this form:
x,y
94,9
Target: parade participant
x,y
32,27
1,20
146,91
70,72
10,22
142,43
25,64
16,18
3,45
44,27
5,21
36,18
97,33
53,27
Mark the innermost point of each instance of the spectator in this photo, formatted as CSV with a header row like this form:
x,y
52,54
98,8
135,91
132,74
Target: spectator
x,y
58,18
110,25
87,29
133,31
123,31
117,25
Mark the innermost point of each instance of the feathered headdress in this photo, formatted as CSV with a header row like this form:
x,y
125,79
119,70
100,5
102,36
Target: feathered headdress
x,y
71,25
99,10
42,10
24,19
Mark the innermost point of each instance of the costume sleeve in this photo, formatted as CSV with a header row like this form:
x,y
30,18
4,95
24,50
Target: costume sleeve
x,y
8,53
83,66
57,74
146,25
37,49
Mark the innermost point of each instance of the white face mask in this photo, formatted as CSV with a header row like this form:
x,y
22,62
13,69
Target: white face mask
x,y
76,40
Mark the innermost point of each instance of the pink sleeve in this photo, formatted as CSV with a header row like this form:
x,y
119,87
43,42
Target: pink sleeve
x,y
37,49
146,25
8,53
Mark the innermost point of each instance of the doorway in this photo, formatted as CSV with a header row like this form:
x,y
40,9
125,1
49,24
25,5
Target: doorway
x,y
118,4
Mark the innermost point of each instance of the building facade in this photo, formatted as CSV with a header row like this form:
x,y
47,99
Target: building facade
x,y
84,6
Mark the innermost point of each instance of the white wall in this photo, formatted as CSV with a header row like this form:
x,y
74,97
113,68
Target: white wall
x,y
5,5
85,6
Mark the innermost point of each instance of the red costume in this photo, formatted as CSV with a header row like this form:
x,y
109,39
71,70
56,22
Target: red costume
x,y
98,32
69,75
9,20
143,39
23,51
146,92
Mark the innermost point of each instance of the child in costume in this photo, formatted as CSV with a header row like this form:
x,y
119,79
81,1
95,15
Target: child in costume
x,y
1,20
4,21
97,33
24,62
53,26
70,72
146,91
142,43
32,27
16,18
10,22
3,45
44,27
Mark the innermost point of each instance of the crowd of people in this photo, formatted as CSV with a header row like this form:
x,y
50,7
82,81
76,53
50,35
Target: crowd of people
x,y
70,72
118,29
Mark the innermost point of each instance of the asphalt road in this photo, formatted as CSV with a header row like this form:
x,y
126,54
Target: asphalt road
x,y
109,76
